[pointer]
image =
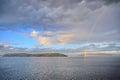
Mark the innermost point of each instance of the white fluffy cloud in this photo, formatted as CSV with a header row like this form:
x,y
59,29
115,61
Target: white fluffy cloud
x,y
34,34
52,38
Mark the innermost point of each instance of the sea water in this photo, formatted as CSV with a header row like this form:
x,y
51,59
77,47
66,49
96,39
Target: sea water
x,y
62,68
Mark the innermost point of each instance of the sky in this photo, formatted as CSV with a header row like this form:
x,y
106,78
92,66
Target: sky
x,y
65,26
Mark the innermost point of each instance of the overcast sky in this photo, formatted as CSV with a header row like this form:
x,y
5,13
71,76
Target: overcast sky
x,y
67,26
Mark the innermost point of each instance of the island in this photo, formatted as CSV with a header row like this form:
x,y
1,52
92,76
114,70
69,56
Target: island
x,y
34,55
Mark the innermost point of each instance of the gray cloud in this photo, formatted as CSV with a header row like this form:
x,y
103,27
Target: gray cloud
x,y
112,1
3,4
76,17
95,48
39,13
106,1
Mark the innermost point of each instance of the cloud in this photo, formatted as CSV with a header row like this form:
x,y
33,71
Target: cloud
x,y
65,38
5,48
44,41
63,21
52,38
106,1
45,14
34,34
42,38
39,14
110,48
112,1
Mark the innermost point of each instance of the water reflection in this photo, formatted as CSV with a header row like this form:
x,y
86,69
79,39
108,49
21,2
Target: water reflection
x,y
76,68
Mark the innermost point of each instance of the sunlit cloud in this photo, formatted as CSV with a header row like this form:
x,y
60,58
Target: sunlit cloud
x,y
48,39
34,34
6,45
65,38
45,41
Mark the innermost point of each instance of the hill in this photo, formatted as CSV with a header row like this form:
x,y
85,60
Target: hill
x,y
34,55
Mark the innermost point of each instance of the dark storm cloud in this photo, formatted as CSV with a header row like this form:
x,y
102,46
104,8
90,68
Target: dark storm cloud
x,y
106,1
70,16
33,13
42,13
64,3
112,1
3,6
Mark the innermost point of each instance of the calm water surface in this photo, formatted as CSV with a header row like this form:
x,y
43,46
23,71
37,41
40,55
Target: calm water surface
x,y
69,68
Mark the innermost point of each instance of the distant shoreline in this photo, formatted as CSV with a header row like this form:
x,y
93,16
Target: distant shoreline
x,y
34,55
